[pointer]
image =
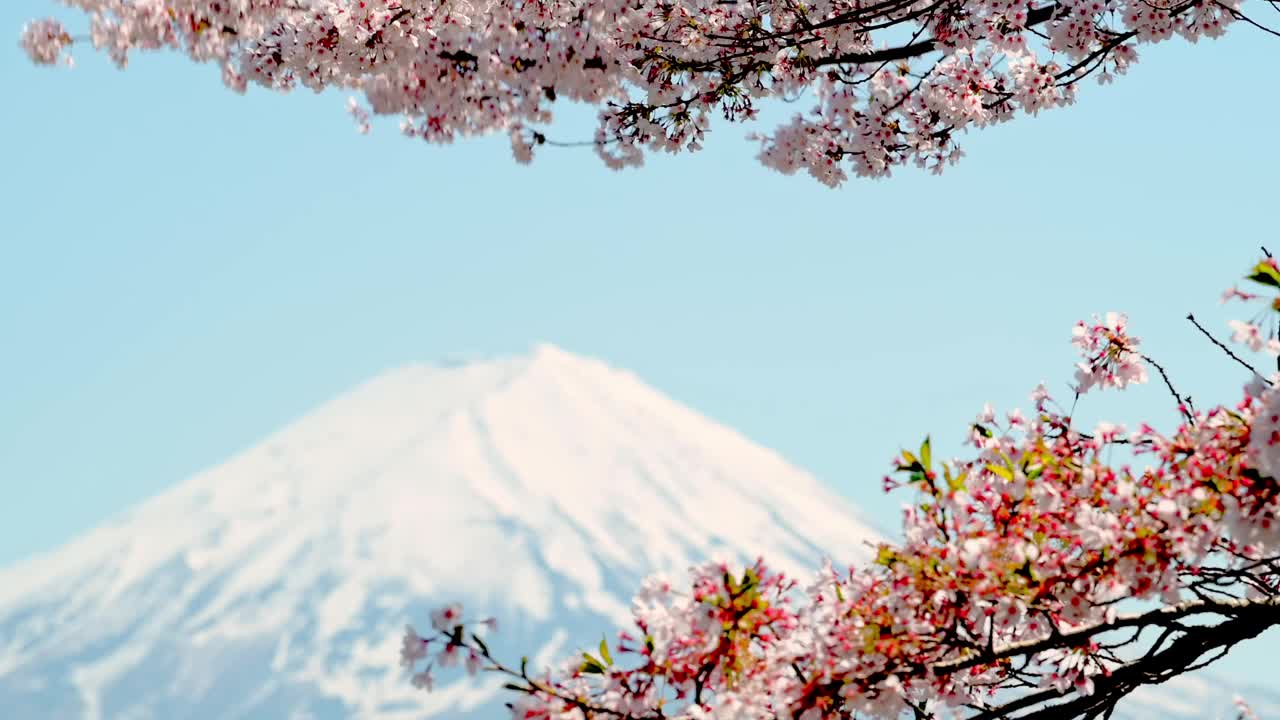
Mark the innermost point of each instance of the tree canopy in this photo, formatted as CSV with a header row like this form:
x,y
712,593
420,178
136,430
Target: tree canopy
x,y
889,82
1045,574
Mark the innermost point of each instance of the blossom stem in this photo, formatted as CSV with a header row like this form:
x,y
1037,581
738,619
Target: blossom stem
x,y
1224,348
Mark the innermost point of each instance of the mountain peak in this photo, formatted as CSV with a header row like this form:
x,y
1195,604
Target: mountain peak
x,y
548,363
545,352
463,378
539,487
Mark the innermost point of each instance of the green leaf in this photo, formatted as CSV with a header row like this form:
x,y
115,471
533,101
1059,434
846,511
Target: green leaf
x,y
1002,471
956,484
926,453
648,643
604,651
982,430
909,461
591,665
1264,274
886,556
872,637
731,583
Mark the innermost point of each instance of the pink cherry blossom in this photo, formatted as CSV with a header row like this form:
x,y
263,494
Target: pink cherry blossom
x,y
424,680
1264,433
449,655
1110,354
360,115
44,40
446,618
413,647
889,84
473,662
1234,293
1026,575
1249,334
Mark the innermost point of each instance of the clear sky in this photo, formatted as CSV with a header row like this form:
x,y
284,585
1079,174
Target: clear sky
x,y
184,270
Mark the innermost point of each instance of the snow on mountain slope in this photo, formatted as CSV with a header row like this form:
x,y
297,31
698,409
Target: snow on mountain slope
x,y
540,489
1199,695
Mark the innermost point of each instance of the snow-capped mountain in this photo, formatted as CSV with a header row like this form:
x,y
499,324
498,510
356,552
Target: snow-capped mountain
x,y
1200,696
539,489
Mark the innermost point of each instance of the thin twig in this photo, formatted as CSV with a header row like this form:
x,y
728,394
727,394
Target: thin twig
x,y
1224,348
1182,404
1241,16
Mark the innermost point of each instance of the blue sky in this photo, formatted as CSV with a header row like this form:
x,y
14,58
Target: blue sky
x,y
184,270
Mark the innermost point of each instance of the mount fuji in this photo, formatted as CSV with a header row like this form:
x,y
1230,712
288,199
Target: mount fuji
x,y
539,489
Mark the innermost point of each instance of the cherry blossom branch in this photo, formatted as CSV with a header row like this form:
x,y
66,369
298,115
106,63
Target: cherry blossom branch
x,y
1241,16
660,71
1002,599
1175,660
1266,608
1183,408
1222,347
1035,17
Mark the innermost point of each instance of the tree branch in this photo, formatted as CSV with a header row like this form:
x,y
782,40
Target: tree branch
x,y
1037,16
1176,659
1224,348
1161,616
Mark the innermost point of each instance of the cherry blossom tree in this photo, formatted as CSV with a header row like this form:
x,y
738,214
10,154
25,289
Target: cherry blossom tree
x,y
891,82
1047,574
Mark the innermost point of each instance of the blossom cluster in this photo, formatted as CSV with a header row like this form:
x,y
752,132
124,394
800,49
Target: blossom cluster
x,y
660,71
445,647
1251,332
44,41
1016,563
1111,358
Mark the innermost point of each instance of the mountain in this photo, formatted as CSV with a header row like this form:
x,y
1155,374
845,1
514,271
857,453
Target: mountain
x,y
540,489
1201,696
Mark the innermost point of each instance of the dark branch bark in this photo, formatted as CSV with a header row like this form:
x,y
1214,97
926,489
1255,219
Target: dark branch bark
x,y
1248,622
1269,608
1037,16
